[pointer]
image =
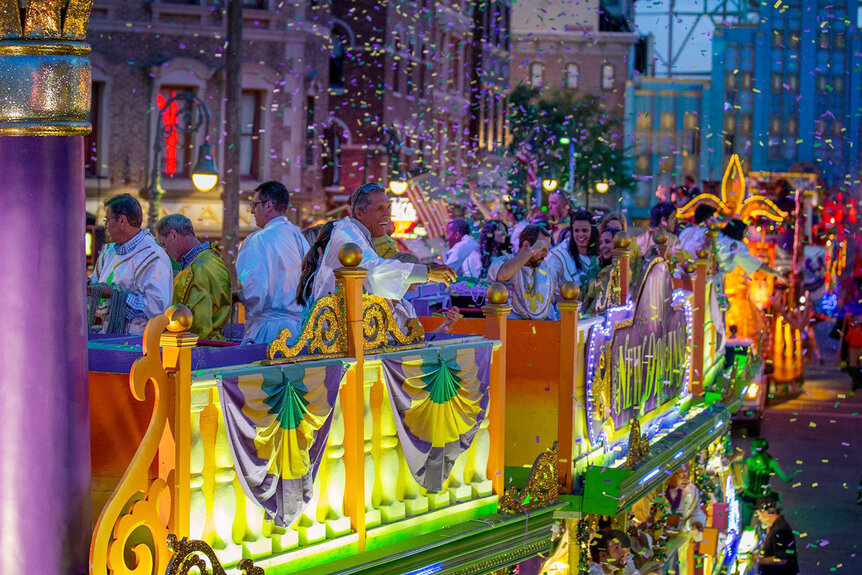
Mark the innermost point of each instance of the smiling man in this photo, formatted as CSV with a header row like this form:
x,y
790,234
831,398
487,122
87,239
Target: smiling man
x,y
371,218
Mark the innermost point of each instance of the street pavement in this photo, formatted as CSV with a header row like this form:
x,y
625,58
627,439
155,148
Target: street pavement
x,y
818,429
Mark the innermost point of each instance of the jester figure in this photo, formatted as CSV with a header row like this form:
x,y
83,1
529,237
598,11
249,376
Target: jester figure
x,y
759,469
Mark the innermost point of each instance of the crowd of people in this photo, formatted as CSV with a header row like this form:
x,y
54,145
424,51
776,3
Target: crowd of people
x,y
282,271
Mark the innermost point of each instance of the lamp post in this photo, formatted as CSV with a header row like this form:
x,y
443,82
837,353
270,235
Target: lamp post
x,y
570,185
193,114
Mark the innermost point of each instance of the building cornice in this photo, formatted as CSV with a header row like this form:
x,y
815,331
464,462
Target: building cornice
x,y
585,36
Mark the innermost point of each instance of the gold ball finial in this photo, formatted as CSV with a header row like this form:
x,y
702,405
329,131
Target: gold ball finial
x,y
350,255
688,266
180,318
702,253
570,291
622,241
660,238
497,294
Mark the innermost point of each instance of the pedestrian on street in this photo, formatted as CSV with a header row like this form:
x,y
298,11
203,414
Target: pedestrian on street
x,y
778,551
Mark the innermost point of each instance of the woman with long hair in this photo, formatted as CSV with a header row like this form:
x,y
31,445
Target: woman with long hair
x,y
310,263
575,258
493,243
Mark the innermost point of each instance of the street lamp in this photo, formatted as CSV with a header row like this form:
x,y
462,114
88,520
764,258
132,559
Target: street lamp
x,y
549,185
602,187
190,118
398,186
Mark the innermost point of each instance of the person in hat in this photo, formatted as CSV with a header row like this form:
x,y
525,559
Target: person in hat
x,y
778,552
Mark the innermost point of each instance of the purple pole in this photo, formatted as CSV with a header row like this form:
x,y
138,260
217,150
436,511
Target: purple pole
x,y
45,503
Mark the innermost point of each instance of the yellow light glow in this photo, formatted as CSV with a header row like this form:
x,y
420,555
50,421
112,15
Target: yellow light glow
x,y
397,187
88,243
602,187
752,391
549,185
420,231
204,182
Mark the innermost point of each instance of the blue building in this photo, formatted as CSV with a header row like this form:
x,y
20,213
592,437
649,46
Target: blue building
x,y
665,128
787,90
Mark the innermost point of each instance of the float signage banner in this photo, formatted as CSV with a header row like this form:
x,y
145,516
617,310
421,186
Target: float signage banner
x,y
638,358
649,352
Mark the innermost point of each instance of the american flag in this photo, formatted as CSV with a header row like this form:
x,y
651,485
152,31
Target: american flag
x,y
526,157
433,214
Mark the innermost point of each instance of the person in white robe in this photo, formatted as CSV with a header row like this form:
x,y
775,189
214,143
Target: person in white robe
x,y
371,217
532,287
696,237
268,266
461,245
134,263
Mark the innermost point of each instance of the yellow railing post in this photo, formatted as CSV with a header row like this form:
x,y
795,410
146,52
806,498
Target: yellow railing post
x,y
698,319
350,278
177,344
623,254
495,313
569,308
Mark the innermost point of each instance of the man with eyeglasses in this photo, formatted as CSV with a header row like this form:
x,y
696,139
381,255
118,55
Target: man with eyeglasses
x,y
371,218
268,266
133,273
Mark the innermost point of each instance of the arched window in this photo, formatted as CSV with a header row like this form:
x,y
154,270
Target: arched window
x,y
537,73
572,73
336,61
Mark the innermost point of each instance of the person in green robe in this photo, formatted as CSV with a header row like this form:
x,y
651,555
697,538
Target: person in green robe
x,y
203,282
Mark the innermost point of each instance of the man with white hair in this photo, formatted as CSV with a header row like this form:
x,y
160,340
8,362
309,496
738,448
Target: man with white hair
x,y
203,283
370,218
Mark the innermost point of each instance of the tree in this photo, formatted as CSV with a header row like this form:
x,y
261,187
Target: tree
x,y
544,119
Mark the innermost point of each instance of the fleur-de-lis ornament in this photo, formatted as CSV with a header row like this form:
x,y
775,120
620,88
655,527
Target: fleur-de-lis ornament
x,y
733,203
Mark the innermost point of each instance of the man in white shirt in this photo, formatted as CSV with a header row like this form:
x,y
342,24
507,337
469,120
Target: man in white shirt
x,y
370,218
135,265
695,237
461,245
531,282
268,266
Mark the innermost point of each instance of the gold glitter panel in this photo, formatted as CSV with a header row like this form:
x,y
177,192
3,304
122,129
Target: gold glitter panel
x,y
43,19
10,19
77,18
197,557
541,490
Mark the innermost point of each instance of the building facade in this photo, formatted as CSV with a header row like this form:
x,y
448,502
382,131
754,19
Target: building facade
x,y
787,91
665,129
146,53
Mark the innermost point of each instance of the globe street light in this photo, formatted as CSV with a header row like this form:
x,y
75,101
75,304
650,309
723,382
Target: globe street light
x,y
602,187
398,186
190,118
549,185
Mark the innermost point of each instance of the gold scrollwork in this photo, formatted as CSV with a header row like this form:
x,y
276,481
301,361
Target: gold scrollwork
x,y
194,556
135,503
541,490
378,324
325,331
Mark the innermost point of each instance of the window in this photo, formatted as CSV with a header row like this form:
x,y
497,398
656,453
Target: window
x,y
746,123
249,138
607,76
336,63
644,121
423,66
839,40
309,131
793,41
643,164
793,83
668,122
410,70
838,84
747,80
777,39
690,121
91,140
821,82
396,64
791,128
178,147
667,165
331,156
730,123
537,72
775,126
255,4
572,72
775,83
823,40
730,80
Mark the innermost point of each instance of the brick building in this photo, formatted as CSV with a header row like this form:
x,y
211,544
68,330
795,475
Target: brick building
x,y
145,52
399,94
